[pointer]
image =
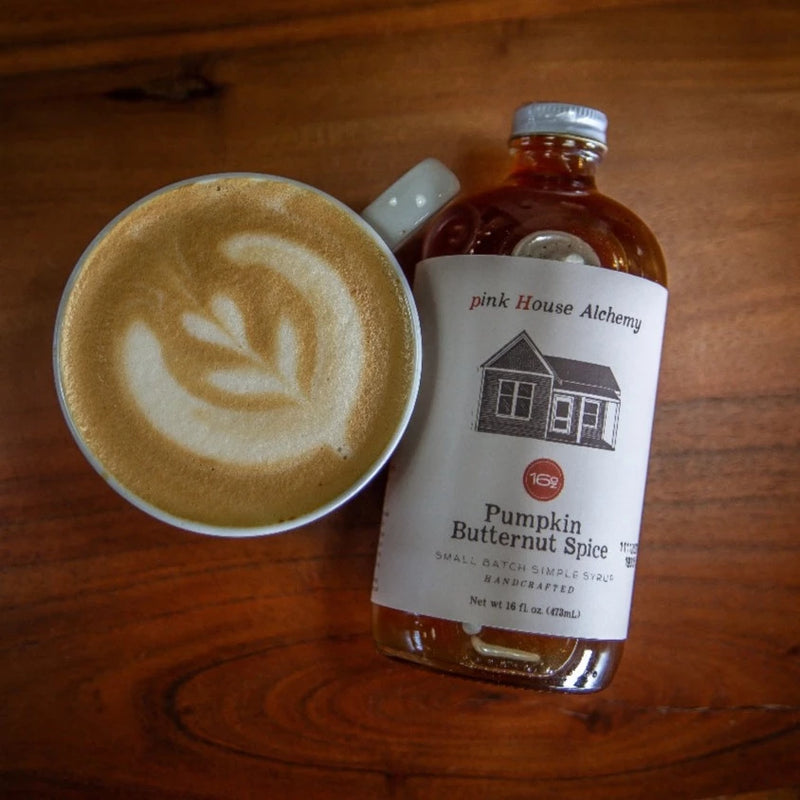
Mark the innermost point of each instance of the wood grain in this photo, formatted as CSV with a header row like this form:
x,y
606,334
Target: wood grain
x,y
137,661
59,34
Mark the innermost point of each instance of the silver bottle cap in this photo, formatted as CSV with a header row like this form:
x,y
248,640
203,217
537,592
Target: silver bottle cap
x,y
561,119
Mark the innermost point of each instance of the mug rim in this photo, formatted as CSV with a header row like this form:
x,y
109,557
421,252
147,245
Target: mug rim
x,y
238,531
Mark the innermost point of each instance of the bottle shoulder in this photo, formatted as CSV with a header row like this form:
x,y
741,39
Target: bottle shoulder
x,y
497,220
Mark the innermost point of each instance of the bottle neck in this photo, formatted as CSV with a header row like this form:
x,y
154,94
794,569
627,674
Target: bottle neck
x,y
555,162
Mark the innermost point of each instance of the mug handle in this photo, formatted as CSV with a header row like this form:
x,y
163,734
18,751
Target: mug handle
x,y
410,201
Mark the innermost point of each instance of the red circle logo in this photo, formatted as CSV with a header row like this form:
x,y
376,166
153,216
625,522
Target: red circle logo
x,y
543,479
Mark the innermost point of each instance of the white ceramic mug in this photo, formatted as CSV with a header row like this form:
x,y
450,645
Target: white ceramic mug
x,y
239,354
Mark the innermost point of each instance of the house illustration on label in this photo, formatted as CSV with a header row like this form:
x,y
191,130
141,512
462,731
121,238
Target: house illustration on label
x,y
526,393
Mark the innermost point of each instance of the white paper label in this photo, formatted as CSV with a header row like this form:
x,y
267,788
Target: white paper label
x,y
515,498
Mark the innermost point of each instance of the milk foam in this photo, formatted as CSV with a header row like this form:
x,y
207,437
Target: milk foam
x,y
303,421
236,352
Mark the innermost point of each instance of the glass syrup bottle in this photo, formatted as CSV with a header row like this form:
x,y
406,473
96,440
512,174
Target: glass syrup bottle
x,y
548,208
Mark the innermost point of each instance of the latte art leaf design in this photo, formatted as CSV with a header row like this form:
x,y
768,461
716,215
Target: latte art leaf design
x,y
316,415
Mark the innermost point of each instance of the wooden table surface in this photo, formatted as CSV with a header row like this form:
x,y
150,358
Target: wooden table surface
x,y
139,661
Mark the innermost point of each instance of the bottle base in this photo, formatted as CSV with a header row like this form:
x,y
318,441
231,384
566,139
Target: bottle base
x,y
534,661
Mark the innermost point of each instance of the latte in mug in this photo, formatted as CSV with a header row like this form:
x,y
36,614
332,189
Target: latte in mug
x,y
236,353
